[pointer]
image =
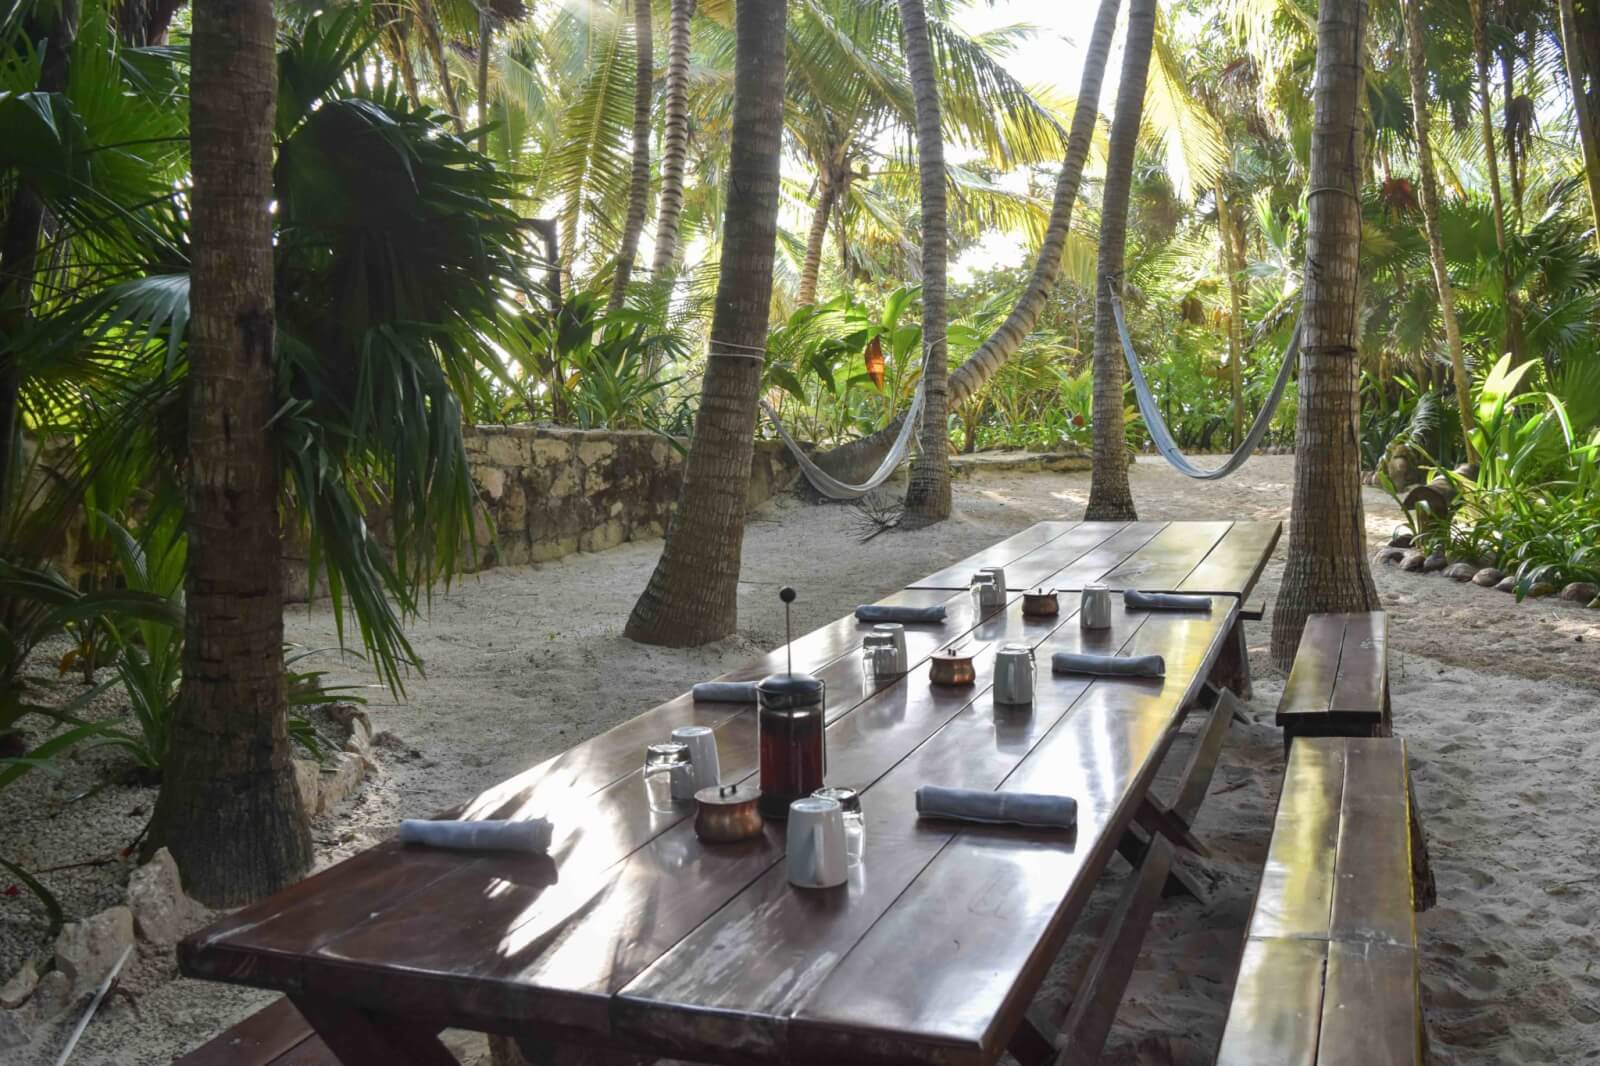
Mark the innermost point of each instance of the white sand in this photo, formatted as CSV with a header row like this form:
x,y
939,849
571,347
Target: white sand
x,y
1498,701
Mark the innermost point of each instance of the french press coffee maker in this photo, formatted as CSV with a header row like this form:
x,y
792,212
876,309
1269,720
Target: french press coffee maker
x,y
790,716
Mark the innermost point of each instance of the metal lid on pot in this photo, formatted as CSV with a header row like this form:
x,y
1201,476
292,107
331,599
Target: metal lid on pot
x,y
789,690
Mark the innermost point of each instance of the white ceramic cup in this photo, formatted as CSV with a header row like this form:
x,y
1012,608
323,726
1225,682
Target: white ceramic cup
x,y
705,767
818,856
1013,674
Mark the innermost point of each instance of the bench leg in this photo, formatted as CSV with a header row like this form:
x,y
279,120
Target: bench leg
x,y
1088,1021
1424,890
358,1038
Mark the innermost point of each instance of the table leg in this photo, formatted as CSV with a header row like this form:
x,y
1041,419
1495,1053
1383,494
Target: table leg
x,y
1232,669
360,1038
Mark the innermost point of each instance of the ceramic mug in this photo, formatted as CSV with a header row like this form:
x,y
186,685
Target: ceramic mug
x,y
999,573
817,852
1094,611
705,767
1013,674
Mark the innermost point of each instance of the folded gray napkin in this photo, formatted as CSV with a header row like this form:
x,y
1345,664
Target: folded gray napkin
x,y
532,834
1134,600
873,612
725,692
973,805
1066,662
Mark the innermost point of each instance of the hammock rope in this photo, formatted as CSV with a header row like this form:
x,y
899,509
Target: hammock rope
x,y
1162,437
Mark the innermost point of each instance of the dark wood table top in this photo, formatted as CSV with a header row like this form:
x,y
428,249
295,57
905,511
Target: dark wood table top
x,y
632,933
1211,557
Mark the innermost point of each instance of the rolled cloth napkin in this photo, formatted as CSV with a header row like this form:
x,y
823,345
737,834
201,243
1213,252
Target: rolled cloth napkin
x,y
725,692
531,835
1066,662
974,805
1135,600
873,612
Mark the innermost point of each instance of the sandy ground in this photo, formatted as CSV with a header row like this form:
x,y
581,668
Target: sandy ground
x,y
1498,702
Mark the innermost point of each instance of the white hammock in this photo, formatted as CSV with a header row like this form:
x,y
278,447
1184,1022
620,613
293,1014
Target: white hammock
x,y
1162,437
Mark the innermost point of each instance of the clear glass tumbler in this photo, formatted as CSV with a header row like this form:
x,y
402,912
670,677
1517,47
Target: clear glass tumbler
x,y
663,764
855,824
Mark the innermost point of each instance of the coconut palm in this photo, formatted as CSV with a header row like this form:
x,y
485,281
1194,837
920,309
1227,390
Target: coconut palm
x,y
1110,497
639,172
692,596
928,495
1327,567
1416,64
228,806
674,141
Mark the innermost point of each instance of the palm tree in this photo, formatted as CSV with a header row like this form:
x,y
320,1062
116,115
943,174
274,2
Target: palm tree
x,y
1416,64
674,141
1110,498
228,807
692,596
639,182
1001,345
1480,50
1327,566
1572,48
928,495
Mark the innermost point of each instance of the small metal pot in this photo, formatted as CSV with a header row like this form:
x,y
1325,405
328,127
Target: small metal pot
x,y
1041,604
951,667
727,813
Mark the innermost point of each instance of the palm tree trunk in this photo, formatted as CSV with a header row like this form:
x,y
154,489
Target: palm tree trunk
x,y
639,182
1480,48
1508,97
675,142
1327,565
928,495
1110,498
20,234
1000,346
485,42
1229,244
1577,78
1416,63
814,241
228,807
692,596
435,39
402,58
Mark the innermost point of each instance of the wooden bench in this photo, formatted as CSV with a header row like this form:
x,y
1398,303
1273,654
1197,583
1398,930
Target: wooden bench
x,y
1339,684
276,1035
1330,968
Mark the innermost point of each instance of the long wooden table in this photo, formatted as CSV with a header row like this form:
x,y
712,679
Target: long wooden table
x,y
632,935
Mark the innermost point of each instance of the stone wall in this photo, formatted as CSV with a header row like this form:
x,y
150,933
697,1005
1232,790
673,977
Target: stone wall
x,y
551,492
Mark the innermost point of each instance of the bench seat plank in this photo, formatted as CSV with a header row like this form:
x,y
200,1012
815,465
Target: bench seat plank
x,y
275,1035
1339,683
1276,1014
1363,683
1297,882
1372,897
1371,1008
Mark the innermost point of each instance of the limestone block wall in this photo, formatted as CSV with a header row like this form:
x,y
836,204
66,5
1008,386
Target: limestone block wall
x,y
550,492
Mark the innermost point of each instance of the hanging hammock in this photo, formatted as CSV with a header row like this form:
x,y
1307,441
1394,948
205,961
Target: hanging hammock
x,y
1162,437
820,479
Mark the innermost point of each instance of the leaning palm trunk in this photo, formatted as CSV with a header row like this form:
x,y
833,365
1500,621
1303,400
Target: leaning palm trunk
x,y
928,495
692,596
1233,268
639,182
1001,345
853,461
1577,78
674,142
1480,47
1416,63
228,807
818,233
485,42
1327,566
434,36
1110,498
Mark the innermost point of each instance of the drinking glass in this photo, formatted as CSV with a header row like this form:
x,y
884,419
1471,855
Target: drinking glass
x,y
664,764
855,824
